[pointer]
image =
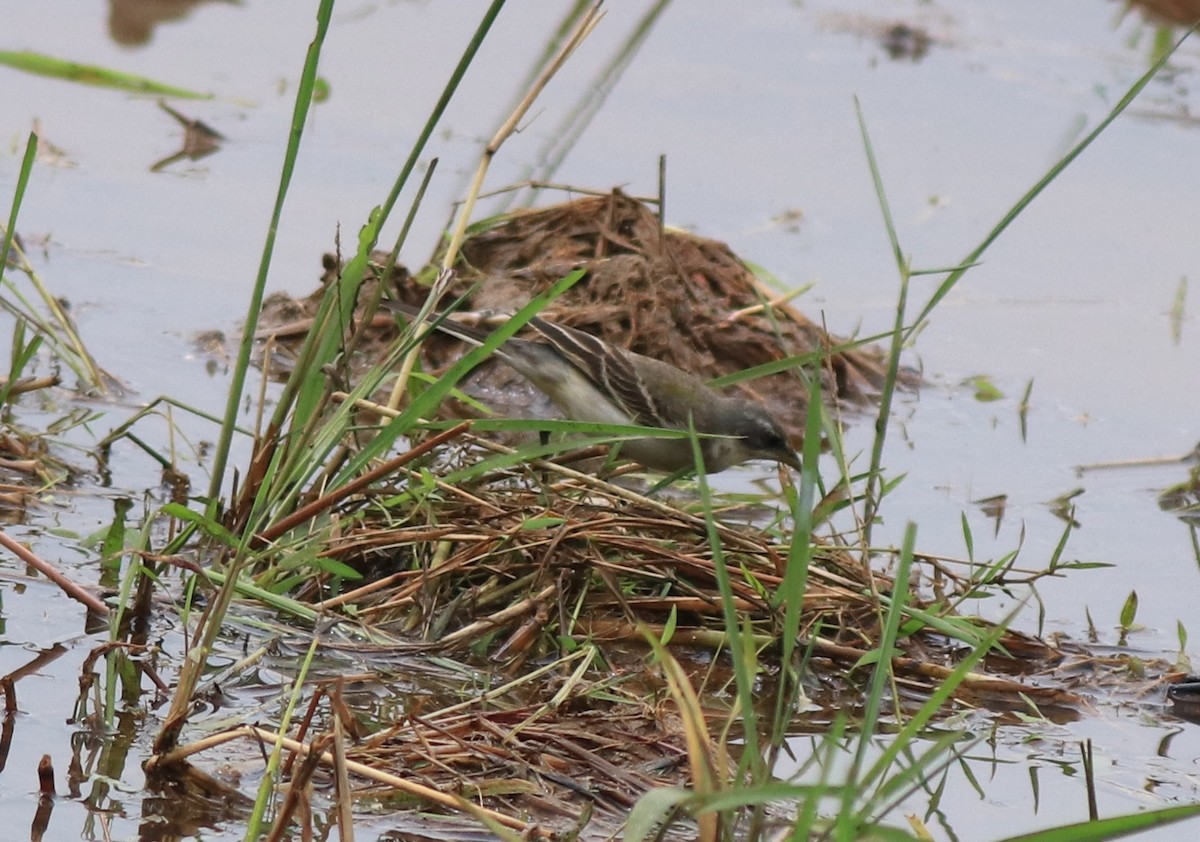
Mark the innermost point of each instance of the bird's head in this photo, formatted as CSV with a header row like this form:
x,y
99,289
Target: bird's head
x,y
748,432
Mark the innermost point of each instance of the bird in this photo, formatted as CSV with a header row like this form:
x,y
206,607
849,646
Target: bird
x,y
591,380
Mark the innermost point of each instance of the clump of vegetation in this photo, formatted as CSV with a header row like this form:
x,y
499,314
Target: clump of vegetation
x,y
29,465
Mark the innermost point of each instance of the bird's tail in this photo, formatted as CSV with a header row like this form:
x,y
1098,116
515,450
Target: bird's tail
x,y
439,321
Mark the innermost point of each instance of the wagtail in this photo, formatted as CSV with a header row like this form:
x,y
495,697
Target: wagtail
x,y
591,380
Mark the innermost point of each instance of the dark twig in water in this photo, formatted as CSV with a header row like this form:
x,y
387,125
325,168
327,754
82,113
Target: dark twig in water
x,y
70,588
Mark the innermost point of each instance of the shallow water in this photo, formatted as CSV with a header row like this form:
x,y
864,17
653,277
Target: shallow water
x,y
755,112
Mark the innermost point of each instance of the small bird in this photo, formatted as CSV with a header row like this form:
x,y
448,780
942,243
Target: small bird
x,y
591,380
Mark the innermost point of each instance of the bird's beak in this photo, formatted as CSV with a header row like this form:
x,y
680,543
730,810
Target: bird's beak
x,y
791,459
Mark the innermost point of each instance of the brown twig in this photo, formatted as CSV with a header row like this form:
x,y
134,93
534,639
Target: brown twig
x,y
586,24
417,790
70,588
30,384
311,510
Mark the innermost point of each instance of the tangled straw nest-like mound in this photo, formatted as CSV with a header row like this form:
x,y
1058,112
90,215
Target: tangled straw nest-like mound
x,y
664,293
510,554
528,571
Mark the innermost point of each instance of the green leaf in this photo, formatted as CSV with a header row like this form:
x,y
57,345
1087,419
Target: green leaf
x,y
651,810
968,538
209,525
985,390
874,657
321,89
114,537
113,546
542,523
669,627
1094,831
336,568
1129,610
90,74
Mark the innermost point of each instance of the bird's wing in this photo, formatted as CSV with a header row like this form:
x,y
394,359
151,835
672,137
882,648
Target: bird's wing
x,y
610,370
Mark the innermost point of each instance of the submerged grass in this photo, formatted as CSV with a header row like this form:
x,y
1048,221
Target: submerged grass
x,y
55,329
41,344
559,576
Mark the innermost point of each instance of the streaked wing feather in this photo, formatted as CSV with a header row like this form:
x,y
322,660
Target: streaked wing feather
x,y
607,367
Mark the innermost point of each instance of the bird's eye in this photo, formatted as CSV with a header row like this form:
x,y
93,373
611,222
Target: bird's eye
x,y
767,437
774,441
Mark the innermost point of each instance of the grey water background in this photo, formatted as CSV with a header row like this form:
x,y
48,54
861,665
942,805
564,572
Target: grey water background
x,y
754,108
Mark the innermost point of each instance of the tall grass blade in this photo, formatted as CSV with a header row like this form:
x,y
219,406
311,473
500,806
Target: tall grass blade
x,y
1114,828
304,96
873,492
790,594
1017,209
300,452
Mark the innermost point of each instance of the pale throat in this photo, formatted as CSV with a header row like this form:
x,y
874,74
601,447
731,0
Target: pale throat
x,y
720,453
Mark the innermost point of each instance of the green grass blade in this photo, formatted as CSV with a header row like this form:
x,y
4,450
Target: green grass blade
x,y
898,334
811,359
1044,182
325,342
238,382
18,196
426,403
90,74
881,679
795,580
1114,828
741,641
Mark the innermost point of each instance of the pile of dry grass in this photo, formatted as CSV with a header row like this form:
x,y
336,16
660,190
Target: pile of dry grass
x,y
519,560
26,464
664,293
559,580
552,581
